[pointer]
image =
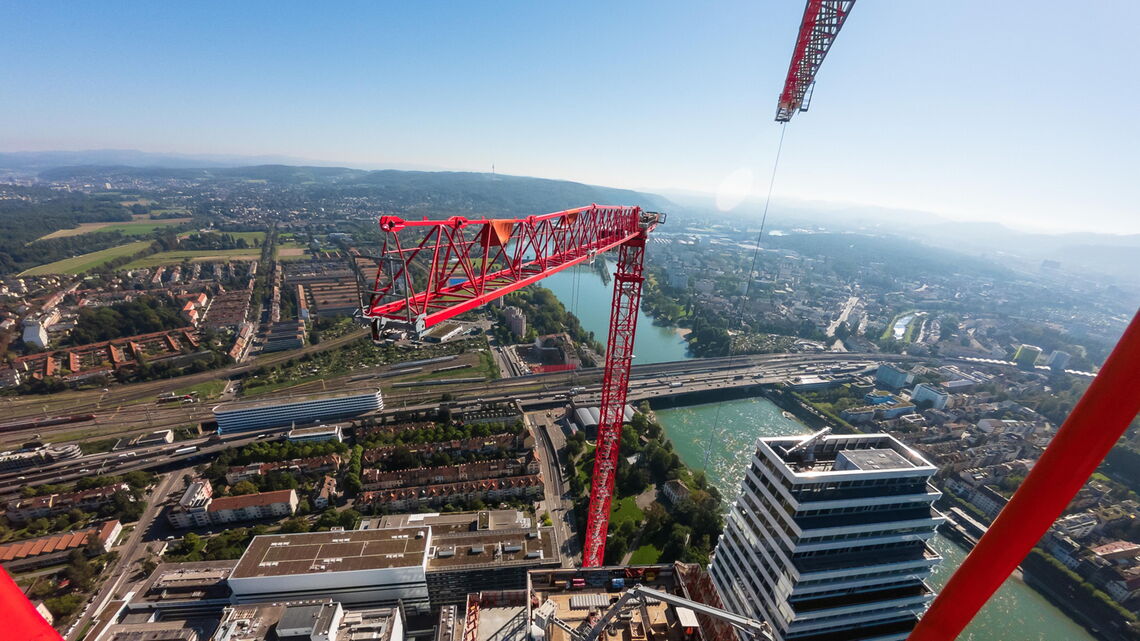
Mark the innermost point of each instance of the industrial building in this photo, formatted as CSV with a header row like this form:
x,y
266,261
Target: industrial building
x,y
367,568
476,551
243,416
827,538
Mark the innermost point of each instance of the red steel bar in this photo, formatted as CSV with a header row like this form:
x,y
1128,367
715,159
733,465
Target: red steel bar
x,y
1090,431
615,386
21,621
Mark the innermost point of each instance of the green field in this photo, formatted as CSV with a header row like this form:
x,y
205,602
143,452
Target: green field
x,y
175,257
249,236
134,228
87,262
206,391
625,510
647,554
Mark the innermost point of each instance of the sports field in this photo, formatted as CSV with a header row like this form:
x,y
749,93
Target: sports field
x,y
87,262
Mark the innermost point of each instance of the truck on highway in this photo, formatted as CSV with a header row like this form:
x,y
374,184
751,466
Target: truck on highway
x,y
185,450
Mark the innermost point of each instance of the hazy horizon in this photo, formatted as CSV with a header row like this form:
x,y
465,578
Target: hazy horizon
x,y
972,116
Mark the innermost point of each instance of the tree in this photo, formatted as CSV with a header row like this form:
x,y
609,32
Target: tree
x,y
243,487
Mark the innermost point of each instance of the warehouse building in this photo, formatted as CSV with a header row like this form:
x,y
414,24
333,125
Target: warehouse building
x,y
244,416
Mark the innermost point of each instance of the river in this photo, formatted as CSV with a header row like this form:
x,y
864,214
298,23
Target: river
x,y
719,437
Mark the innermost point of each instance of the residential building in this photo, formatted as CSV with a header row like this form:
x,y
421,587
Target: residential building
x,y
828,538
35,334
923,392
50,550
250,507
325,494
516,321
198,508
25,509
254,415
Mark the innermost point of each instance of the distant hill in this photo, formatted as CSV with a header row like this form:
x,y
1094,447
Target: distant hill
x,y
427,192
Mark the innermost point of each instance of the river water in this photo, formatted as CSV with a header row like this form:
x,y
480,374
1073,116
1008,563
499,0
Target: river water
x,y
719,437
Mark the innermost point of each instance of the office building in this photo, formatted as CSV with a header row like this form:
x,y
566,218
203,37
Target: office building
x,y
1059,360
827,539
923,392
255,415
477,551
312,620
1026,356
892,377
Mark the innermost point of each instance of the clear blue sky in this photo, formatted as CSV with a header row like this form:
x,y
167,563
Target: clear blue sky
x,y
1024,113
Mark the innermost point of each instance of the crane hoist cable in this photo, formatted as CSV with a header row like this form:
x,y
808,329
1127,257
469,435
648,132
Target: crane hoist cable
x,y
748,283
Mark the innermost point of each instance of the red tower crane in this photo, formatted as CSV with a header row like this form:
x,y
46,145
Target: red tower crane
x,y
821,23
450,266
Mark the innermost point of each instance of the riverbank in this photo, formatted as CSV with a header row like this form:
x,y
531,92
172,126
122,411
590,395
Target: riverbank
x,y
719,438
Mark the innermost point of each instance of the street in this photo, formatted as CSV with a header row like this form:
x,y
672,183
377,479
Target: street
x,y
129,552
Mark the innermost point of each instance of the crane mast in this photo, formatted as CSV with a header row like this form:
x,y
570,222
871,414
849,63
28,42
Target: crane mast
x,y
432,270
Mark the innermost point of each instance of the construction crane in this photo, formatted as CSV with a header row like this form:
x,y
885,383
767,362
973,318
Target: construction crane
x,y
820,25
447,267
641,596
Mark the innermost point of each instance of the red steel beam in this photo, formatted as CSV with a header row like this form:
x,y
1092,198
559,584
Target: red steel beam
x,y
21,621
460,264
820,25
1092,428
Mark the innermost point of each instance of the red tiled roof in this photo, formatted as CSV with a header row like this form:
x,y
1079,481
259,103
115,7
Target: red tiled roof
x,y
250,500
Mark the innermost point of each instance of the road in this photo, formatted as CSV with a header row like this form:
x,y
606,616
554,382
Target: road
x,y
850,305
556,500
129,552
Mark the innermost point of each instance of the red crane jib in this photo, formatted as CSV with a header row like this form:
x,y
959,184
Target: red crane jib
x,y
821,23
432,270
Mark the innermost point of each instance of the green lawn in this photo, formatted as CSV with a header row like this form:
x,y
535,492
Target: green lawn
x,y
87,262
207,390
625,510
249,236
647,554
175,257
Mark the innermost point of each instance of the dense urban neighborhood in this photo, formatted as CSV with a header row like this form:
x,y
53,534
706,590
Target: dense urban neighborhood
x,y
201,439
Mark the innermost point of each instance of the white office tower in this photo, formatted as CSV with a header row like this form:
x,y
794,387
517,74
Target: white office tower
x,y
827,540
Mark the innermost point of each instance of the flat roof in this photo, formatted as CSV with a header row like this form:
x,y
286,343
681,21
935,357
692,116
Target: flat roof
x,y
316,552
471,550
237,406
442,524
876,459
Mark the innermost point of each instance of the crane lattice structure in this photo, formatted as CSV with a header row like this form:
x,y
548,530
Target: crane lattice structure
x,y
821,23
450,266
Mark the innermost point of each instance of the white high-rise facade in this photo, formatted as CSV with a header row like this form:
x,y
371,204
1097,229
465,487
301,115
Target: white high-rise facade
x,y
828,540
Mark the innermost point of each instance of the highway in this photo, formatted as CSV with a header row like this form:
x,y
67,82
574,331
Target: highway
x,y
533,392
